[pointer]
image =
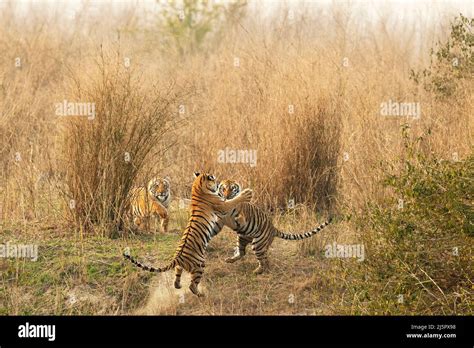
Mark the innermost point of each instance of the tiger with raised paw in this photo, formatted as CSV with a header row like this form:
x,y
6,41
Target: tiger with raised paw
x,y
254,226
207,212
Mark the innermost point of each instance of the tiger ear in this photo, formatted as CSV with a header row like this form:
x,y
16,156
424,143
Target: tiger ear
x,y
196,174
167,178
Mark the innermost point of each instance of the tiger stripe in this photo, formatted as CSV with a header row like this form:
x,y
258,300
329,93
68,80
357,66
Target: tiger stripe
x,y
207,209
254,226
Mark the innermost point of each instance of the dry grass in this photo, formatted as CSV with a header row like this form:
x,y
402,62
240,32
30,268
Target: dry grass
x,y
303,92
105,156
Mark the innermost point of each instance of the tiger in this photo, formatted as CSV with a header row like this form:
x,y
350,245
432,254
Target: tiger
x,y
254,226
207,209
149,201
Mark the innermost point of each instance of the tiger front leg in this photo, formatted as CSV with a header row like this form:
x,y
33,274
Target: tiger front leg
x,y
162,212
165,218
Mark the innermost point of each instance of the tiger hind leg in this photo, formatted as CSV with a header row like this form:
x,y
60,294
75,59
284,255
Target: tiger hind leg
x,y
137,223
263,266
196,276
260,248
177,280
164,222
243,241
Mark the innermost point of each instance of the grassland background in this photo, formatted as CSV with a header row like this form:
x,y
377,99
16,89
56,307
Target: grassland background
x,y
332,66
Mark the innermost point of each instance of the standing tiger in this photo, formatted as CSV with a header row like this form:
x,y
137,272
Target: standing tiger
x,y
153,200
207,209
254,226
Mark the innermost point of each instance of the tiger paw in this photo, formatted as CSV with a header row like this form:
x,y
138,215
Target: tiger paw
x,y
246,195
233,258
259,270
195,291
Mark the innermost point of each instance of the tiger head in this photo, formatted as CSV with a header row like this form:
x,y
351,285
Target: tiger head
x,y
228,189
205,183
159,188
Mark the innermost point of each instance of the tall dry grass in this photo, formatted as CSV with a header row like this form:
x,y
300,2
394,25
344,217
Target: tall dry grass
x,y
333,79
105,155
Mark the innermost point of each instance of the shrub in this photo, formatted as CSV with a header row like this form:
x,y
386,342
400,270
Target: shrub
x,y
104,156
310,172
188,24
451,62
420,237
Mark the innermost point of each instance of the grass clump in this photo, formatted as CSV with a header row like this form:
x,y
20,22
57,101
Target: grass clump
x,y
104,155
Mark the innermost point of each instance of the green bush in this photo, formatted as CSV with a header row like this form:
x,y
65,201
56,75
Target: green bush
x,y
186,25
451,62
419,239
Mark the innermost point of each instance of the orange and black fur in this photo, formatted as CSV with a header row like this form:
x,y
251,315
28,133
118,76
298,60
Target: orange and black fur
x,y
254,226
207,210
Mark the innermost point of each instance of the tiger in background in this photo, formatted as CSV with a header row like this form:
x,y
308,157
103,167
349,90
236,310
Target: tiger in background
x,y
207,212
254,226
151,201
